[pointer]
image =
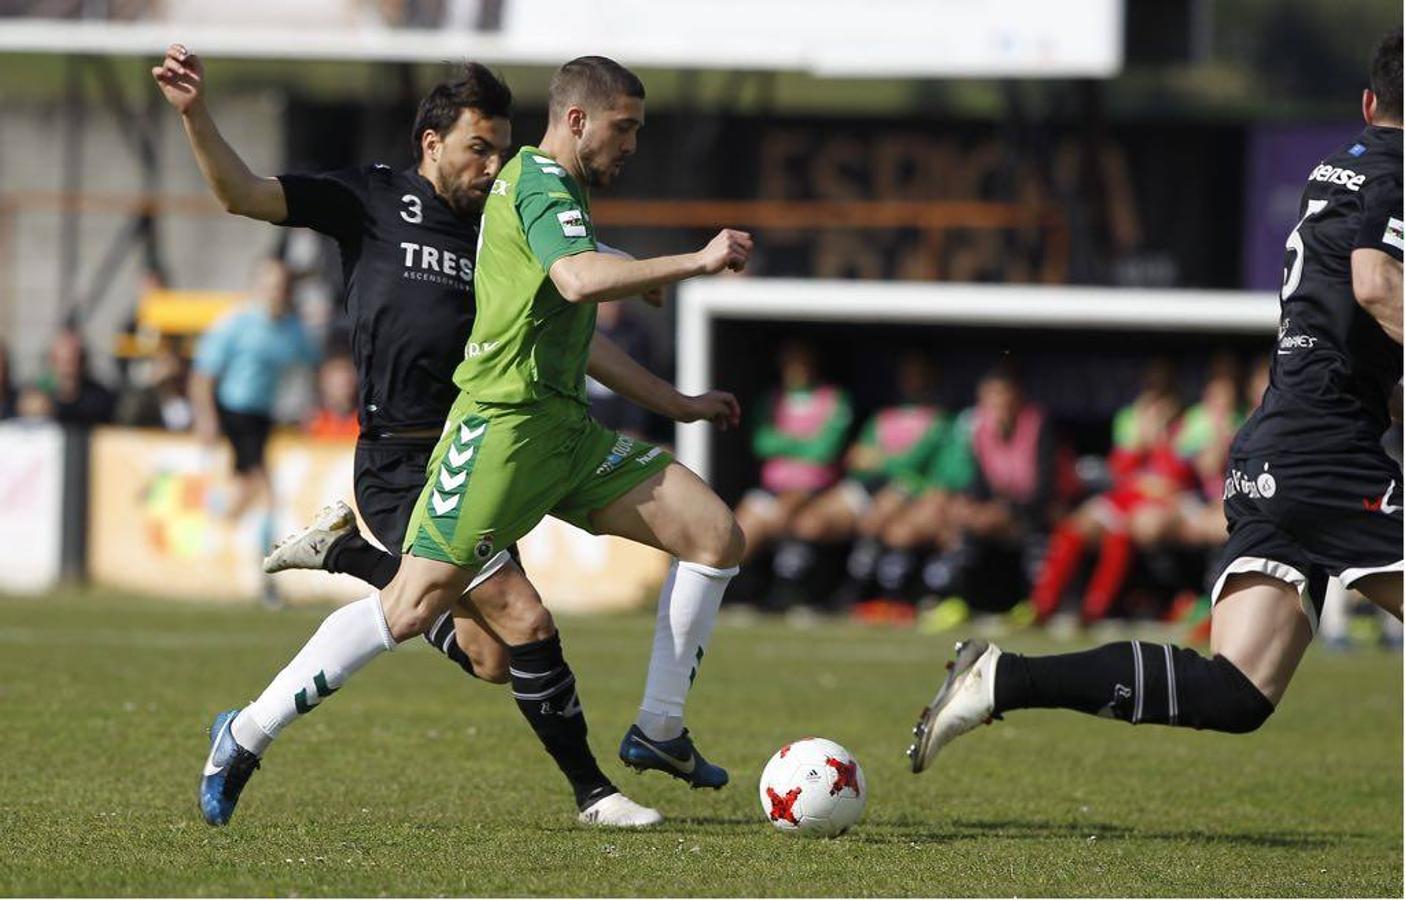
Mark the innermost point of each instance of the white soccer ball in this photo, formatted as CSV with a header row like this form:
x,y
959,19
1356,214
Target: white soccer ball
x,y
813,787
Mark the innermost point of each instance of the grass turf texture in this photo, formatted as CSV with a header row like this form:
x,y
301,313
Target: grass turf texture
x,y
414,781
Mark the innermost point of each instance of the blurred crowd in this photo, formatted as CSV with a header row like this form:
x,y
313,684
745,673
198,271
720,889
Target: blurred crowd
x,y
986,511
182,385
163,389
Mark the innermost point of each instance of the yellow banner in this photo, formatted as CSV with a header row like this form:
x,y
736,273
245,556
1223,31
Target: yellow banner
x,y
158,524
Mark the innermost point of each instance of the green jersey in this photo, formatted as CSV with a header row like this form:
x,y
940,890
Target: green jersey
x,y
528,343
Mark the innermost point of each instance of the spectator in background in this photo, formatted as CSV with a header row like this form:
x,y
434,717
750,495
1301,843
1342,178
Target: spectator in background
x,y
938,465
335,417
619,323
8,395
1202,440
1148,477
161,399
882,478
33,404
77,398
1019,481
800,431
238,365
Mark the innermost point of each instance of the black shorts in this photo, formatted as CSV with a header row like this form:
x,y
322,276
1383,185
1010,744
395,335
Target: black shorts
x,y
247,434
389,475
1303,520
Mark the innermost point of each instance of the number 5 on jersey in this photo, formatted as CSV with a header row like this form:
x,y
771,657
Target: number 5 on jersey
x,y
1294,274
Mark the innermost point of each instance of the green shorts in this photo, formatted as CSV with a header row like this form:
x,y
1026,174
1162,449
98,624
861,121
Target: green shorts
x,y
499,470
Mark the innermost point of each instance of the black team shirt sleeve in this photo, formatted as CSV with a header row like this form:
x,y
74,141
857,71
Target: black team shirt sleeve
x,y
407,264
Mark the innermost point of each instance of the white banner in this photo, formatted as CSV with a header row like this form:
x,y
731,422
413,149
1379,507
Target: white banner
x,y
31,506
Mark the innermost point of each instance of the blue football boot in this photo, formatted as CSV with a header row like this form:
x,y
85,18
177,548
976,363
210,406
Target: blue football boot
x,y
227,770
677,757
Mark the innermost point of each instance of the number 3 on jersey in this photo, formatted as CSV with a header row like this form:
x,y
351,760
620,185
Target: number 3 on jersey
x,y
1294,274
413,212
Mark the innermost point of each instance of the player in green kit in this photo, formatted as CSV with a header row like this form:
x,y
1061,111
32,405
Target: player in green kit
x,y
519,445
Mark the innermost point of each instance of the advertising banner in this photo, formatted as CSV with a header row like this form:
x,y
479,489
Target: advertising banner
x,y
159,523
31,506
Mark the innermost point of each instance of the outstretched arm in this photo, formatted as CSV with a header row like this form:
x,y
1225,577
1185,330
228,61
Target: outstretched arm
x,y
615,369
594,277
181,78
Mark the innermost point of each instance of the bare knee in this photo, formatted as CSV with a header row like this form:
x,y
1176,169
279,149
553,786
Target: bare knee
x,y
489,665
510,604
417,595
720,543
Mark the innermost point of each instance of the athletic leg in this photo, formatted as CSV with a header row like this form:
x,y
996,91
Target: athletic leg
x,y
347,640
1259,634
678,513
1382,589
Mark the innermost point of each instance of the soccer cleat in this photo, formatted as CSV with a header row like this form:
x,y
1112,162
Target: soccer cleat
x,y
677,757
227,770
966,699
307,549
618,811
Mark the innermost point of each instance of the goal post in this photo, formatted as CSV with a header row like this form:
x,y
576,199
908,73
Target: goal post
x,y
703,303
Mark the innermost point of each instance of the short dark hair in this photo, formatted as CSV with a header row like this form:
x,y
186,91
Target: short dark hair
x,y
476,88
592,82
1385,76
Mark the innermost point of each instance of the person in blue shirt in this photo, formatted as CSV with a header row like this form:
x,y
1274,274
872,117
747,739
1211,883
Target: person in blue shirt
x,y
238,365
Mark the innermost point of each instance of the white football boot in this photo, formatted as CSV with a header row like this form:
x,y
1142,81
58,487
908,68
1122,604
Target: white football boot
x,y
966,699
618,811
307,549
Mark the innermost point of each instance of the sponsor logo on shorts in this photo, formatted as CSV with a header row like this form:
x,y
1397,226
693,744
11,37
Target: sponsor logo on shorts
x,y
1260,487
650,456
618,453
483,550
1382,504
572,223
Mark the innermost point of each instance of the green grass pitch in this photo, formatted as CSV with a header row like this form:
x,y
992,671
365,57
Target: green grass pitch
x,y
414,781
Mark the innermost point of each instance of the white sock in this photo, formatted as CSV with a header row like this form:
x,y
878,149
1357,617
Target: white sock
x,y
687,611
347,640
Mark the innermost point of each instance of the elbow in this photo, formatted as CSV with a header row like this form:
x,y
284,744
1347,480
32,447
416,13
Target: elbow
x,y
571,288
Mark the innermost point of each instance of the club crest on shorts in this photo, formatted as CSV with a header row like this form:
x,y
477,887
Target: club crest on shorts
x,y
483,550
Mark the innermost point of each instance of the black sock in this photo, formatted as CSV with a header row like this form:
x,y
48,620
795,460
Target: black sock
x,y
1136,682
442,637
545,689
354,555
894,572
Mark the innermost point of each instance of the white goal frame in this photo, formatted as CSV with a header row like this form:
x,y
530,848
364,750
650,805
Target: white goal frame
x,y
702,303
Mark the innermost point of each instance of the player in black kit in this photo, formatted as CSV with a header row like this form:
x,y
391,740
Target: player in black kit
x,y
408,243
1310,492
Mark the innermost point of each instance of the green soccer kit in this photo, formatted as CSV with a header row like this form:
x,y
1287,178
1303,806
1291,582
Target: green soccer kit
x,y
519,443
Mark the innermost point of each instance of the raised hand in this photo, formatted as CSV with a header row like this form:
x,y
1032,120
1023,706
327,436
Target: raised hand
x,y
181,77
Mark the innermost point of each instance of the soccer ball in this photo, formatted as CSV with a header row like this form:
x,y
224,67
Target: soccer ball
x,y
813,787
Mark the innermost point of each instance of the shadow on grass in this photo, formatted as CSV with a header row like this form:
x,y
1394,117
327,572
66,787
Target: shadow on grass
x,y
1020,829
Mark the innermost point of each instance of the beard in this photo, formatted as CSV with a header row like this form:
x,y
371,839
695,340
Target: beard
x,y
465,202
596,173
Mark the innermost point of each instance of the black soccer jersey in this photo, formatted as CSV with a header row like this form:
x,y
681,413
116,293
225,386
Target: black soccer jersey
x,y
1334,366
407,262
